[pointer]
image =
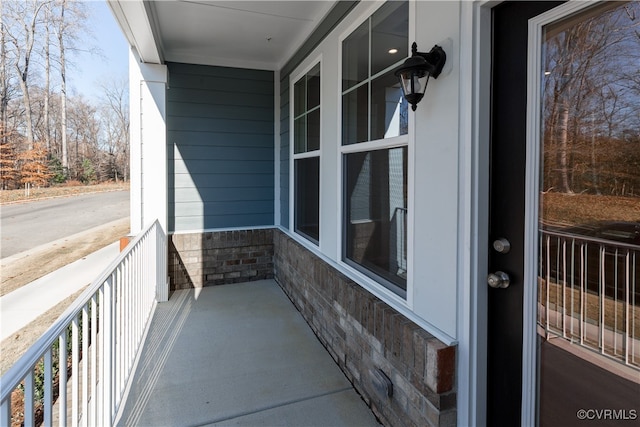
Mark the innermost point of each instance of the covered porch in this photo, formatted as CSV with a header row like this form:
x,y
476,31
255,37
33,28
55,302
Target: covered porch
x,y
213,131
237,354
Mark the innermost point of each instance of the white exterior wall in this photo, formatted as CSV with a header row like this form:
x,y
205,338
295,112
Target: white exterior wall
x,y
447,184
437,173
147,88
148,136
434,170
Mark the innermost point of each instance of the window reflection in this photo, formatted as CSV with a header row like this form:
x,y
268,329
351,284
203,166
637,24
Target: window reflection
x,y
307,212
355,116
355,57
589,271
389,30
373,107
306,157
313,87
376,213
389,108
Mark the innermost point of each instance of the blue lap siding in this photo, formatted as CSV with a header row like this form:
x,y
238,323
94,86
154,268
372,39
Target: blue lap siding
x,y
284,152
220,138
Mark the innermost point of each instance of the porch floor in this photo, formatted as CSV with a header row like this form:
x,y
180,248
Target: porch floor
x,y
238,354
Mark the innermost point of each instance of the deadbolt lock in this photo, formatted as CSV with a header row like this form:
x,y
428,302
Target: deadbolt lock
x,y
502,245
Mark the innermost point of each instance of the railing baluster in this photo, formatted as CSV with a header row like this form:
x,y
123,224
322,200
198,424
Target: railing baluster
x,y
548,288
602,297
564,287
615,303
102,349
633,306
573,284
62,380
583,291
106,325
112,348
75,371
596,272
48,388
29,419
129,301
137,284
628,336
107,343
93,408
86,334
118,343
5,412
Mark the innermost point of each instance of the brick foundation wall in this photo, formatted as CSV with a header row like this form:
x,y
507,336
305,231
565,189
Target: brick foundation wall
x,y
216,258
364,334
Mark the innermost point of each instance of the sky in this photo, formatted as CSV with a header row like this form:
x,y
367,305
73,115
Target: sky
x,y
89,70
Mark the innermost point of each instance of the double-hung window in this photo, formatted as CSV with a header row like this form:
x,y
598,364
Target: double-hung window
x,y
375,147
306,154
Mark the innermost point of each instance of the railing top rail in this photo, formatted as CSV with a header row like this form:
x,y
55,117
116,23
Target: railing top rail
x,y
589,239
10,380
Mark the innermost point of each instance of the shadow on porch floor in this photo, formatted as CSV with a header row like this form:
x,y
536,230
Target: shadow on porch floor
x,y
238,355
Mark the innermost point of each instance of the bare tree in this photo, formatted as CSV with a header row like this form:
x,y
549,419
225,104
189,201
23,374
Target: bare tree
x,y
585,103
24,21
47,72
114,114
83,130
39,115
4,79
70,25
63,85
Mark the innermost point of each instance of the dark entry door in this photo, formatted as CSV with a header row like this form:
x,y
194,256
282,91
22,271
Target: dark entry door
x,y
507,207
588,266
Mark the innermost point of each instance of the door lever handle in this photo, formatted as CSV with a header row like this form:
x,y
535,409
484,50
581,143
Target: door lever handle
x,y
498,280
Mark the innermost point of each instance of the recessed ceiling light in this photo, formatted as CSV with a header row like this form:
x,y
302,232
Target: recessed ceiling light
x,y
393,50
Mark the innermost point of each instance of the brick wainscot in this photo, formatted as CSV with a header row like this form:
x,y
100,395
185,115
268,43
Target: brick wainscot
x,y
369,340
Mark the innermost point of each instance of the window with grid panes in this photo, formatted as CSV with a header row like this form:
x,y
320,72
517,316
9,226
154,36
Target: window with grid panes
x,y
306,154
375,147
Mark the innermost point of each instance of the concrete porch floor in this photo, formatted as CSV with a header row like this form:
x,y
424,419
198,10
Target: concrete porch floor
x,y
238,355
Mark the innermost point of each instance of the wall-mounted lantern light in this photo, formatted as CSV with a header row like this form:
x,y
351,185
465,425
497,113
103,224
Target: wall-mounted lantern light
x,y
416,70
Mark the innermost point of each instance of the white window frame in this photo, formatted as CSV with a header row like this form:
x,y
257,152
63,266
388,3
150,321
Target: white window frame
x,y
407,140
304,155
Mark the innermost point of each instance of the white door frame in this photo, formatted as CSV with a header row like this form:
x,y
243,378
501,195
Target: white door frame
x,y
534,67
475,119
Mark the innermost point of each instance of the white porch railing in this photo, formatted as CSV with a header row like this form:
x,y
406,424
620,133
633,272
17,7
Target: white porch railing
x,y
97,338
588,293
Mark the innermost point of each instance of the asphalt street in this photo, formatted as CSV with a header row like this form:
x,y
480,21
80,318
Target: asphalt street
x,y
25,226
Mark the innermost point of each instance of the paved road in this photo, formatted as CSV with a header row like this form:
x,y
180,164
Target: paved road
x,y
27,225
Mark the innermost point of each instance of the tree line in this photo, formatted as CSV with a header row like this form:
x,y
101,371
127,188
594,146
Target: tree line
x,y
591,103
48,136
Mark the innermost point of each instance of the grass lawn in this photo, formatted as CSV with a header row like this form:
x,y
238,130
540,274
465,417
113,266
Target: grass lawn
x,y
573,209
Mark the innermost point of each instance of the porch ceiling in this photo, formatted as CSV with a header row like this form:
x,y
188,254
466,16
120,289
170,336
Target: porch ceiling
x,y
250,34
